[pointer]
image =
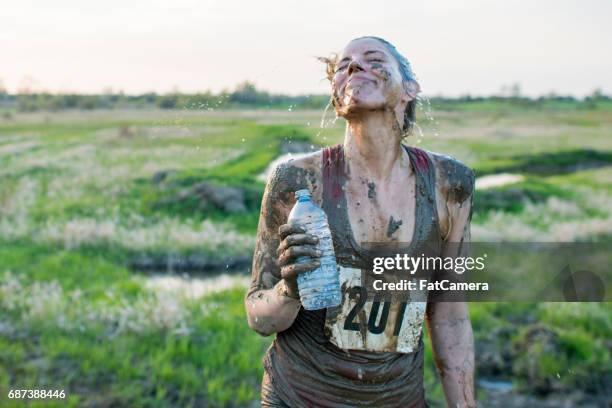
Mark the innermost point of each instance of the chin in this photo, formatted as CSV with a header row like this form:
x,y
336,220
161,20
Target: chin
x,y
359,107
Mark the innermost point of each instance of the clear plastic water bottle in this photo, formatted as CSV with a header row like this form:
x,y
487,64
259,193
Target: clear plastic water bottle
x,y
319,288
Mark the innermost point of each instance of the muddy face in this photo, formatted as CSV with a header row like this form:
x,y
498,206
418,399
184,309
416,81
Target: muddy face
x,y
366,78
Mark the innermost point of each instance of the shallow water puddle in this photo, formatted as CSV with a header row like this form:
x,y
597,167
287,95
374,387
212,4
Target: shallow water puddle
x,y
195,288
497,180
495,385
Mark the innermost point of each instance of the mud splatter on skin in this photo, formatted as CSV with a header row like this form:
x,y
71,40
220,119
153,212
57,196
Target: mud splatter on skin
x,y
308,330
455,358
281,189
287,351
335,172
456,182
393,226
277,201
386,75
441,366
458,179
466,236
455,187
372,190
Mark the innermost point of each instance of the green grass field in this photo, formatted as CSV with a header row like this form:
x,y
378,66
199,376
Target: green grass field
x,y
84,194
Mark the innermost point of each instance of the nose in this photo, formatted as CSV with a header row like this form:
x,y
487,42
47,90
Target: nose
x,y
354,66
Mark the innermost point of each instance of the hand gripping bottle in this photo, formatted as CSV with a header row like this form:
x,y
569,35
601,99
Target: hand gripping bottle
x,y
319,288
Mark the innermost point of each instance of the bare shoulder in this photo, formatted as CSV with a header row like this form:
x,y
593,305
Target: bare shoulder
x,y
295,174
454,179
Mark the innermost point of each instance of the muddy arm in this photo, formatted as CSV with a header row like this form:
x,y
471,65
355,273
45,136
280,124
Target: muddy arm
x,y
448,323
269,306
271,302
271,311
453,346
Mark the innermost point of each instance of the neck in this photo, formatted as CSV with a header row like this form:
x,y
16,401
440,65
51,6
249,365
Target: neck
x,y
372,144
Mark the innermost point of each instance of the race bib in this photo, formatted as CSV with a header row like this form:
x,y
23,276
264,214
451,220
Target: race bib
x,y
361,324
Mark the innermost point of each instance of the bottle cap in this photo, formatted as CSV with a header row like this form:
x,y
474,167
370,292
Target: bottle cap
x,y
302,193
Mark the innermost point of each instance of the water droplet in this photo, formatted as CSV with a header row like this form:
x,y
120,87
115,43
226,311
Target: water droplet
x,y
419,130
325,113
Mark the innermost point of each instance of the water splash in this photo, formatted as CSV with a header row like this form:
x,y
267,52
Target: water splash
x,y
420,131
424,105
324,116
325,121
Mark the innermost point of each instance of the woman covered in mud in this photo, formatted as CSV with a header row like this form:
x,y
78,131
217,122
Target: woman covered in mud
x,y
373,188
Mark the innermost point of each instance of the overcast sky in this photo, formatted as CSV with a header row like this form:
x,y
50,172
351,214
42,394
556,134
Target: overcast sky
x,y
455,46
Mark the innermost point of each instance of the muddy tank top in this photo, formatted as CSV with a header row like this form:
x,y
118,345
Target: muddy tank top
x,y
334,357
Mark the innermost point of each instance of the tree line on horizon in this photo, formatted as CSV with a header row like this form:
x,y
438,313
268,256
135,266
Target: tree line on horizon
x,y
246,95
